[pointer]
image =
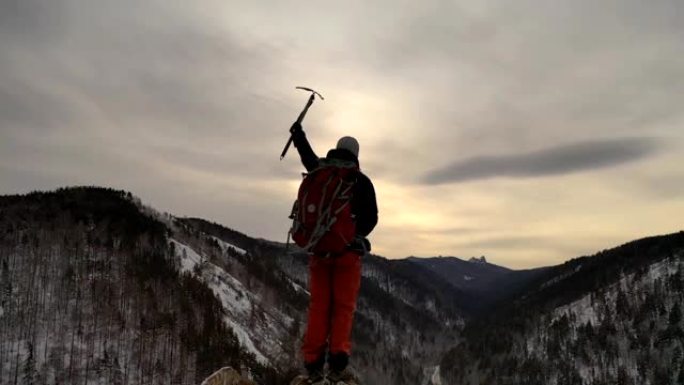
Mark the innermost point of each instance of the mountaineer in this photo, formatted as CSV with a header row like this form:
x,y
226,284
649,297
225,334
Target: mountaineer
x,y
335,211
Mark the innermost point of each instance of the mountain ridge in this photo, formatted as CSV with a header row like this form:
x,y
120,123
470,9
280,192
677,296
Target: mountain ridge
x,y
418,320
253,289
592,320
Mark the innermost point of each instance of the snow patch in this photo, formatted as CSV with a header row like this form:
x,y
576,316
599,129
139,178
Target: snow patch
x,y
436,377
246,340
431,376
298,288
189,257
561,277
584,312
234,297
582,309
468,278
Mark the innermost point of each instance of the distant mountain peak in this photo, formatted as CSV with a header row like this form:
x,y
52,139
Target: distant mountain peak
x,y
482,260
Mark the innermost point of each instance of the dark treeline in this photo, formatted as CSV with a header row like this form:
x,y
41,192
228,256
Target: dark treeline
x,y
91,292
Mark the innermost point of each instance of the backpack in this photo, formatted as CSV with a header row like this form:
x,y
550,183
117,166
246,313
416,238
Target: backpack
x,y
322,220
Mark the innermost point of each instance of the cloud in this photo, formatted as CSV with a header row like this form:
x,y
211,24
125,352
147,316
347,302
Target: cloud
x,y
565,159
188,103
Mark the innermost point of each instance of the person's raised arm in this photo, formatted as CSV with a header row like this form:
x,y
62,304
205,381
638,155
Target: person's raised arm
x,y
309,158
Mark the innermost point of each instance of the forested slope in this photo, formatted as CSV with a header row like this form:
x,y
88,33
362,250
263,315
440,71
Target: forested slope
x,y
92,292
612,318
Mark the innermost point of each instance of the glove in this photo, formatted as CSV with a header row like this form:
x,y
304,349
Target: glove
x,y
366,244
296,128
360,244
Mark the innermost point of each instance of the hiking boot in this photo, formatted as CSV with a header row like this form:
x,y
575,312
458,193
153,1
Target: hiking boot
x,y
345,377
312,379
315,374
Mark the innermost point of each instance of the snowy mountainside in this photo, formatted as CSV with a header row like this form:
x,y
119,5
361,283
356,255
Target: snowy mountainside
x,y
613,318
96,287
92,292
236,300
260,304
404,320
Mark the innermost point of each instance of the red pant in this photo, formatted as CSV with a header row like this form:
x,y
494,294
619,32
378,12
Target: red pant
x,y
334,285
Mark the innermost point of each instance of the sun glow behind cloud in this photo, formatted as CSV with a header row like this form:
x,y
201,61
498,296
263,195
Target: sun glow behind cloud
x,y
188,104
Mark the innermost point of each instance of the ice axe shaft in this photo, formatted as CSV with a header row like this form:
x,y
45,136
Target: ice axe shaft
x,y
301,116
306,108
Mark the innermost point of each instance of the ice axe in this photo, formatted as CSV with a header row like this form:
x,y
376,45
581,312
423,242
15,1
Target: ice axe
x,y
301,115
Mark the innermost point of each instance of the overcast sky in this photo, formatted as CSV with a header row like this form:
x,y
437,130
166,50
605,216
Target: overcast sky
x,y
530,132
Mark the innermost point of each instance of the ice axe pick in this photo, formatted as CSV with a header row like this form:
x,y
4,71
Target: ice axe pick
x,y
301,115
